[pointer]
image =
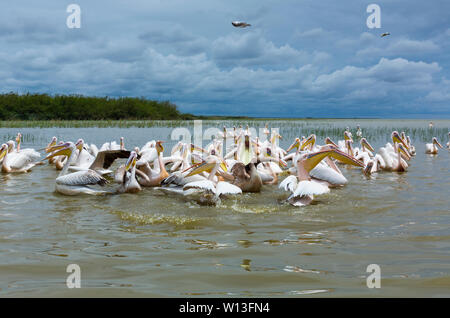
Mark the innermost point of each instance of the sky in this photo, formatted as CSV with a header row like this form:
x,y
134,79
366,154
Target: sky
x,y
299,58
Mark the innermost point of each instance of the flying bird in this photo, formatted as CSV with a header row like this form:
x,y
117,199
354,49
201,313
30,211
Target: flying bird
x,y
239,24
385,34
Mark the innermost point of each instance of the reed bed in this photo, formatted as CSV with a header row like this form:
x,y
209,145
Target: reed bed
x,y
375,130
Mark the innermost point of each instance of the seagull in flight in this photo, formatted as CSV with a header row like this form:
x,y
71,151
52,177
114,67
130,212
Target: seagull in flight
x,y
239,24
385,34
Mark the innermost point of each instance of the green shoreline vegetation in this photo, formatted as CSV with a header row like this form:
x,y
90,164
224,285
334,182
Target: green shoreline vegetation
x,y
36,107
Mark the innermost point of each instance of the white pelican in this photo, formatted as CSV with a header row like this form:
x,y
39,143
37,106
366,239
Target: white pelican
x,y
129,182
433,147
206,190
302,186
412,149
157,175
79,182
16,162
358,131
393,160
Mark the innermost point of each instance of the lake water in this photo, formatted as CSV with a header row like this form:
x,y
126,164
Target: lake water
x,y
156,245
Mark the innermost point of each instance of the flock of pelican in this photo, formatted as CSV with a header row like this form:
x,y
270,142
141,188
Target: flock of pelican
x,y
206,175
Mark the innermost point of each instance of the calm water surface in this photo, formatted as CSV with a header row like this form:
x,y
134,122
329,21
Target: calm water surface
x,y
155,245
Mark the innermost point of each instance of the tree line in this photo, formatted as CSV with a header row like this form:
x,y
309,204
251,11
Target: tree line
x,y
78,107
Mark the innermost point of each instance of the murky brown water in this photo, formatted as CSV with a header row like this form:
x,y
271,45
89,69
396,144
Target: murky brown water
x,y
152,244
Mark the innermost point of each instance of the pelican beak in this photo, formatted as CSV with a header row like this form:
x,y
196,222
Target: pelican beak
x,y
368,168
396,139
403,151
366,144
313,159
159,146
437,143
64,151
223,165
202,167
56,147
194,147
282,163
311,140
296,144
131,162
328,141
3,152
344,158
52,144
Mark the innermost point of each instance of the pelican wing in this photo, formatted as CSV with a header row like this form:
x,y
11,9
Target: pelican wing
x,y
227,188
325,173
206,185
106,158
20,160
289,183
309,188
79,178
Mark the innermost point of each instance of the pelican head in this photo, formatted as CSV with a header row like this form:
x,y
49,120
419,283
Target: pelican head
x,y
328,141
436,142
79,144
131,162
18,138
397,139
208,165
159,147
64,149
51,144
365,144
3,150
368,168
11,145
296,144
311,140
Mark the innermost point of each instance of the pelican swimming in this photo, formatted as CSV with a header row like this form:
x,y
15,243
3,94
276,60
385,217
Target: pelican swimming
x,y
129,181
433,147
206,190
302,186
393,160
158,174
79,182
16,162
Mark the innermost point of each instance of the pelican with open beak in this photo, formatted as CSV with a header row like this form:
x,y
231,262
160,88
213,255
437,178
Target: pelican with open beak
x,y
303,187
209,190
130,183
433,147
308,143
